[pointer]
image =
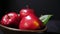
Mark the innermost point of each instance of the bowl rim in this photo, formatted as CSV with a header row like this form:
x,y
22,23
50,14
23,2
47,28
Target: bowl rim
x,y
14,29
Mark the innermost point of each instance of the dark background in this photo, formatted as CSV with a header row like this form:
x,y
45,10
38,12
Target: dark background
x,y
40,7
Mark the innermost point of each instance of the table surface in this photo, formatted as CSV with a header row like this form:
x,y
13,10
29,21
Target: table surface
x,y
53,26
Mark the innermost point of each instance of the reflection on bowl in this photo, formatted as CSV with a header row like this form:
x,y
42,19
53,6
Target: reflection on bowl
x,y
18,30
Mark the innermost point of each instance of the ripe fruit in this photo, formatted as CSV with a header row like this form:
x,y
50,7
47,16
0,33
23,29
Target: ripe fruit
x,y
25,12
30,22
10,19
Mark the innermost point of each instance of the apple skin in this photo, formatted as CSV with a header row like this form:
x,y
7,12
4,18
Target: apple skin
x,y
10,19
24,12
30,22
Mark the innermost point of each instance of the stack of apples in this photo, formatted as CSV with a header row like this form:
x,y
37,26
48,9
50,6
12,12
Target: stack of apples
x,y
25,20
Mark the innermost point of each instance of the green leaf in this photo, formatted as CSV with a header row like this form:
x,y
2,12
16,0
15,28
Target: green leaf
x,y
45,18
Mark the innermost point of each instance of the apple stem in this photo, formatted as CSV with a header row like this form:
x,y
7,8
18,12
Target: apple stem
x,y
8,16
27,6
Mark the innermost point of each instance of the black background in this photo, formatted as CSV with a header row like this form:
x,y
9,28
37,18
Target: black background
x,y
40,7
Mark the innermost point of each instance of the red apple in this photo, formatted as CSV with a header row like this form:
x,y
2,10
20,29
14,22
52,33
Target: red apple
x,y
25,12
30,22
10,19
